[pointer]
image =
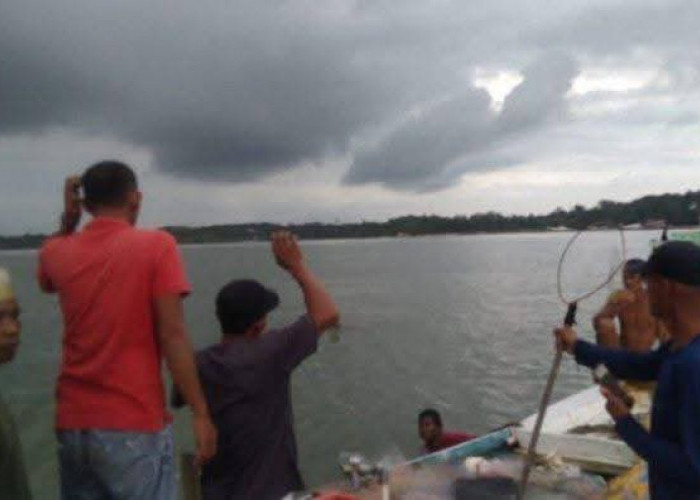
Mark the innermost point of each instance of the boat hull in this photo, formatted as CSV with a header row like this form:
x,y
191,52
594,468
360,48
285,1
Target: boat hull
x,y
596,451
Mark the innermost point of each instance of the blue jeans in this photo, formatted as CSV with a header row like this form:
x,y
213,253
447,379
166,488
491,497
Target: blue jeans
x,y
116,465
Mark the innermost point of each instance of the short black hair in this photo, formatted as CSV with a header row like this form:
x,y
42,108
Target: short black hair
x,y
637,267
432,415
107,184
241,303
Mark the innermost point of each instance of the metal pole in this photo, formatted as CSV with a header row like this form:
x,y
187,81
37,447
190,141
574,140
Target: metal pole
x,y
569,320
544,403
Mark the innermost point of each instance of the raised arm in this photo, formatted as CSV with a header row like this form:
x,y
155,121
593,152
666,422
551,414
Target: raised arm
x,y
319,304
70,218
179,357
72,206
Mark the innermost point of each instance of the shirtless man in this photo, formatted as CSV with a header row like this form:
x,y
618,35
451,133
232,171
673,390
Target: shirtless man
x,y
639,330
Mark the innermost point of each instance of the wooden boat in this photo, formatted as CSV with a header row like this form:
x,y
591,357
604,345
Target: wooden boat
x,y
491,444
578,429
689,235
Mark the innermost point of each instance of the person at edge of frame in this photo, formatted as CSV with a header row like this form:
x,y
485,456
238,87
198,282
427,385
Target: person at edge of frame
x,y
13,476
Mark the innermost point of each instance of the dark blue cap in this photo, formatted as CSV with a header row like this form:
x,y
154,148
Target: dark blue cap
x,y
677,261
241,303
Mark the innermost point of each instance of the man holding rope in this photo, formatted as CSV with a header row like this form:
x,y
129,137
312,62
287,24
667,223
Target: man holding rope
x,y
672,448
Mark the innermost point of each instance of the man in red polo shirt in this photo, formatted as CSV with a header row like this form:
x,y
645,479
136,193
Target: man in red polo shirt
x,y
120,291
434,437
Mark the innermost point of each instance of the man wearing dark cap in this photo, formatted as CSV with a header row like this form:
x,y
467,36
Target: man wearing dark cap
x,y
246,382
672,447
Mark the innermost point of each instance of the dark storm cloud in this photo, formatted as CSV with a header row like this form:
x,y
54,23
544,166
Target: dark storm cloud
x,y
616,34
541,94
215,90
461,134
236,91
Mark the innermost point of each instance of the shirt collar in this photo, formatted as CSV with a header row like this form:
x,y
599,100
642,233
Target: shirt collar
x,y
105,223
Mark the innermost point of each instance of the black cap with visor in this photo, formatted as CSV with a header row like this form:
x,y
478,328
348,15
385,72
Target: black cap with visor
x,y
677,261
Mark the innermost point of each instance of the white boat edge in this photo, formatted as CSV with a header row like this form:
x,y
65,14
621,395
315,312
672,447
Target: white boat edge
x,y
595,453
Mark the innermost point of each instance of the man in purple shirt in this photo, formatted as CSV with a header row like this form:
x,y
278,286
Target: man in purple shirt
x,y
246,382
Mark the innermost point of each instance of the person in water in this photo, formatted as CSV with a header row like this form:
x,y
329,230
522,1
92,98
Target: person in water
x,y
639,330
434,437
13,476
246,380
121,291
672,447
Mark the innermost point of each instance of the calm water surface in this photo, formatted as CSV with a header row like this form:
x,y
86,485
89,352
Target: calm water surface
x,y
461,324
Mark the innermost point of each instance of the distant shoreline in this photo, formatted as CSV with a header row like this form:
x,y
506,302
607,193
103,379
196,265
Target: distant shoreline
x,y
388,237
677,211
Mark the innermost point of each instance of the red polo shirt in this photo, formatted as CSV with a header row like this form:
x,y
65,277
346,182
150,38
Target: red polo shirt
x,y
107,277
448,440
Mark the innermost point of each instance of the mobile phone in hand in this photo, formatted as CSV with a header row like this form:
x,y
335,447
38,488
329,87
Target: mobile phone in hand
x,y
603,377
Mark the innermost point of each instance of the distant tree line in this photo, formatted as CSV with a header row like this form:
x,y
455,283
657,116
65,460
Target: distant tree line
x,y
672,209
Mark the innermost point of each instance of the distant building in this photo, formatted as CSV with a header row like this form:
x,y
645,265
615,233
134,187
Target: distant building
x,y
654,224
599,226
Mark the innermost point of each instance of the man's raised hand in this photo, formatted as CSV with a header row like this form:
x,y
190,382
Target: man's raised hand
x,y
319,304
72,205
286,251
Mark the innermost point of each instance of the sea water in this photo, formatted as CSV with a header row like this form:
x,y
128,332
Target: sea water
x,y
458,323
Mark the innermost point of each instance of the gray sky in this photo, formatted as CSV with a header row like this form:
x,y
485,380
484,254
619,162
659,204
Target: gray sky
x,y
294,111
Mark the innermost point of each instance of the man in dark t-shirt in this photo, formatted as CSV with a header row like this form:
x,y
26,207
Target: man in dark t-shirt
x,y
246,382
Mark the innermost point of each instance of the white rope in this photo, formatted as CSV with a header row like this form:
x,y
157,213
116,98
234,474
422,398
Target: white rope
x,y
606,282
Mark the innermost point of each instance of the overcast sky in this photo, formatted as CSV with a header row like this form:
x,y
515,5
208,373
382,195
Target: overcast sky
x,y
296,111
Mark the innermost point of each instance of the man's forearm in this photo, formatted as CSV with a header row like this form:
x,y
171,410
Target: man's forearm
x,y
319,304
622,363
606,332
179,358
68,223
